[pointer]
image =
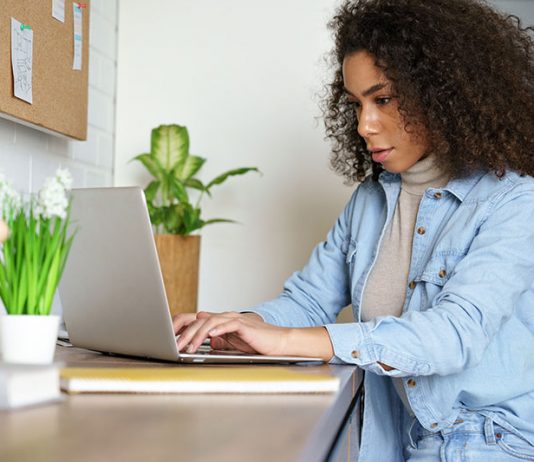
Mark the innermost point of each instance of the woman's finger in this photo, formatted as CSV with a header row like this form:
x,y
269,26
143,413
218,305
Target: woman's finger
x,y
219,343
232,325
202,332
204,314
188,334
235,342
182,320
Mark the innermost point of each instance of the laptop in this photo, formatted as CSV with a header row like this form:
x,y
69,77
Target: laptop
x,y
112,289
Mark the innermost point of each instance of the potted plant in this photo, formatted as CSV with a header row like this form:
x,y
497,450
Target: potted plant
x,y
173,214
32,259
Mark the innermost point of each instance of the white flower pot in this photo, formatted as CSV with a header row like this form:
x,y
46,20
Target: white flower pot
x,y
28,339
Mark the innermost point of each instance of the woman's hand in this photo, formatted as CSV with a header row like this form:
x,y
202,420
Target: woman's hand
x,y
247,332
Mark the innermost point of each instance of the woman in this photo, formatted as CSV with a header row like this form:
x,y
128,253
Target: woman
x,y
435,249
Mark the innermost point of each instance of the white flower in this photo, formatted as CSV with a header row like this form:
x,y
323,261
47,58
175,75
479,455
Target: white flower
x,y
10,200
64,177
52,200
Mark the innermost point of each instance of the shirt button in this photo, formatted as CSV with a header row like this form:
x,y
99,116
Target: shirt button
x,y
355,354
421,230
411,383
437,195
434,425
412,285
442,273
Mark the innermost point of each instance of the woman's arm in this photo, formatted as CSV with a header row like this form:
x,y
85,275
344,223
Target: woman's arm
x,y
249,333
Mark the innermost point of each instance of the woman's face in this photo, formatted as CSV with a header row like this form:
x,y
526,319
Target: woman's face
x,y
379,121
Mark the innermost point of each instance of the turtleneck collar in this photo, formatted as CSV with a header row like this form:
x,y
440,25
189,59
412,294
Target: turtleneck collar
x,y
422,175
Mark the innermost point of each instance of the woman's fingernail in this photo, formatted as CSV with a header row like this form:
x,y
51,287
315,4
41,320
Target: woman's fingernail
x,y
190,349
213,332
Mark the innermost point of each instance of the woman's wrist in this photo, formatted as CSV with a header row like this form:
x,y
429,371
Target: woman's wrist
x,y
310,341
252,315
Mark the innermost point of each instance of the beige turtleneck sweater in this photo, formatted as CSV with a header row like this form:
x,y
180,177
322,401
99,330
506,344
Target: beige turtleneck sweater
x,y
385,290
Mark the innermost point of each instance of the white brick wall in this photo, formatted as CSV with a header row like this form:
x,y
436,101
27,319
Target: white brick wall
x,y
28,156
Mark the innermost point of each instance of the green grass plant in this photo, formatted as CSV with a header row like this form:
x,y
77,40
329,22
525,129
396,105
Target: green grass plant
x,y
32,258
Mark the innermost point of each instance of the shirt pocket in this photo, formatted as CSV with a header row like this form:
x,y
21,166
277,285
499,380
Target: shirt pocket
x,y
436,273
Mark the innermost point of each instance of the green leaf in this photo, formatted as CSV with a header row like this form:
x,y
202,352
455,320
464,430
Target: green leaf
x,y
193,183
65,247
51,283
191,166
173,221
23,288
190,217
64,254
238,171
170,146
156,216
4,287
218,220
50,253
29,264
151,190
152,165
178,189
195,221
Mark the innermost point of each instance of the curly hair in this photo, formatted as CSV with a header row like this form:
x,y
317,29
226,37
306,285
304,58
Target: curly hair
x,y
459,68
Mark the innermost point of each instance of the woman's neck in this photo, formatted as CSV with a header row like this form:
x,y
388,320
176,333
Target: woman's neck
x,y
422,175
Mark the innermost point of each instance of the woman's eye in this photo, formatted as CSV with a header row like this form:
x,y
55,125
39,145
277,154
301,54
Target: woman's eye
x,y
383,100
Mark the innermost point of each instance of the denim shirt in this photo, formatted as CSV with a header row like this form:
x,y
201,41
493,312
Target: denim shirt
x,y
465,339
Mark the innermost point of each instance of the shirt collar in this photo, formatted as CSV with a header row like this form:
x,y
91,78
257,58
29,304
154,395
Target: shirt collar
x,y
459,187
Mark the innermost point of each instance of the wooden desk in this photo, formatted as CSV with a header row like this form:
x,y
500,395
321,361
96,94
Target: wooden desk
x,y
91,428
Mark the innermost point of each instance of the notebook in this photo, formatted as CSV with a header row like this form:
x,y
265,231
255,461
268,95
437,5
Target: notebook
x,y
195,380
112,291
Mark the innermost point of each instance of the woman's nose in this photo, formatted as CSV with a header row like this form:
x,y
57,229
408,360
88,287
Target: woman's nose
x,y
368,122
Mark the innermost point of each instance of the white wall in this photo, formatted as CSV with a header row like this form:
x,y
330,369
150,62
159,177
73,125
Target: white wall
x,y
28,156
524,9
242,76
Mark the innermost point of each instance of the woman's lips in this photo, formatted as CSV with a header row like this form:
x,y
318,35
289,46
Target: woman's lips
x,y
380,156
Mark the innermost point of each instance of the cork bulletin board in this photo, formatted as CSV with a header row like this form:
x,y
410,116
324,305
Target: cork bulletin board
x,y
59,93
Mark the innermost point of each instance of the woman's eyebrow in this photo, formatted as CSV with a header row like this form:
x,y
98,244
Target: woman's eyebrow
x,y
369,91
374,89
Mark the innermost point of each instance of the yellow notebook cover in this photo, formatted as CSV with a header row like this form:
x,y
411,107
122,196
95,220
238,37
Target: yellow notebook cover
x,y
195,380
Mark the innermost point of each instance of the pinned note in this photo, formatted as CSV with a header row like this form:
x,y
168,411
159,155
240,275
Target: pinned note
x,y
22,59
58,10
78,37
